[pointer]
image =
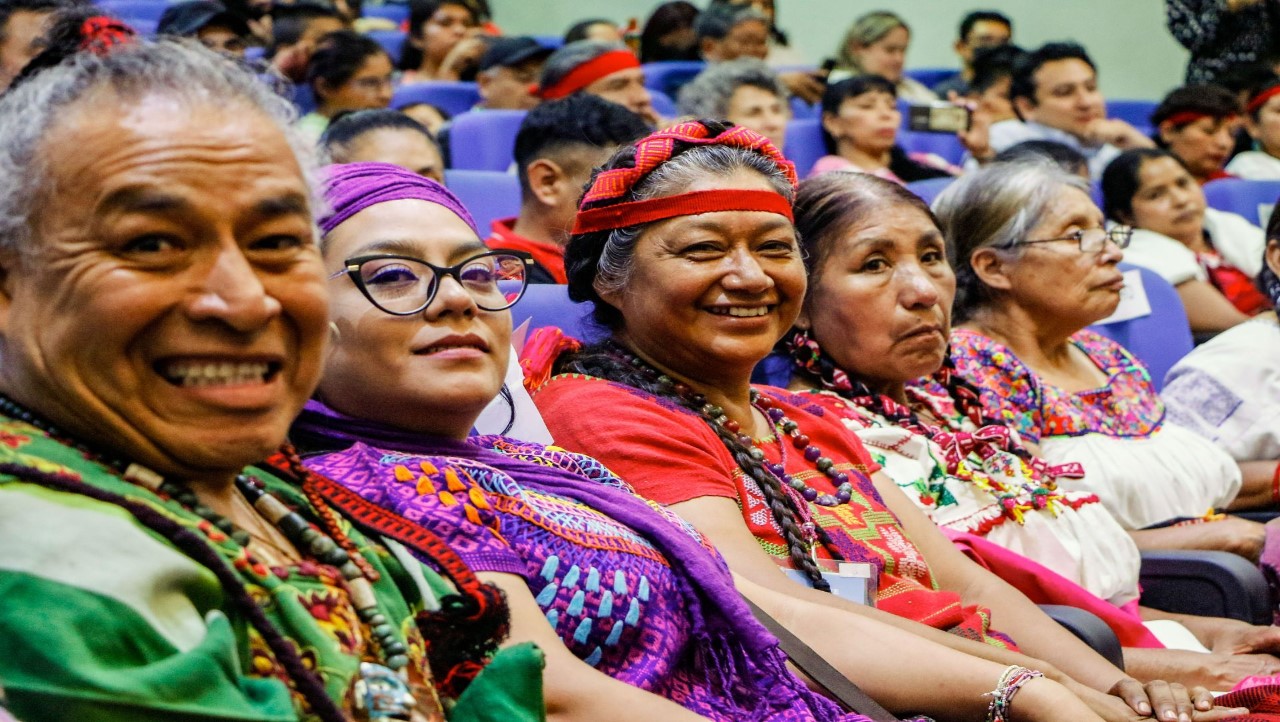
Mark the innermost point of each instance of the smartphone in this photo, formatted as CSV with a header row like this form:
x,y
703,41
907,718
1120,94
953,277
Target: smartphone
x,y
938,118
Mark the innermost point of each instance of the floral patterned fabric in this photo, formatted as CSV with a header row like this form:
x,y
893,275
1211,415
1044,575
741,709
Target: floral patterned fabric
x,y
1127,405
1145,470
609,593
995,494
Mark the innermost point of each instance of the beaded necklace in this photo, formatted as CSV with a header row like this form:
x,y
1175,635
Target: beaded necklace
x,y
379,692
786,427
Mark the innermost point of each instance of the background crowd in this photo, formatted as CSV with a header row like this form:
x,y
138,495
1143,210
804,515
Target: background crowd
x,y
824,391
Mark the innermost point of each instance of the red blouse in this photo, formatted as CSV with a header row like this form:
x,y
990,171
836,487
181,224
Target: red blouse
x,y
670,455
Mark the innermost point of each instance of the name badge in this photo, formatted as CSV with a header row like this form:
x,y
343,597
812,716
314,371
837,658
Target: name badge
x,y
853,581
1133,300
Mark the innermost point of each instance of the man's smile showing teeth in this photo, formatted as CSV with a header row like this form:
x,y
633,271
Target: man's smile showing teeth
x,y
212,373
740,311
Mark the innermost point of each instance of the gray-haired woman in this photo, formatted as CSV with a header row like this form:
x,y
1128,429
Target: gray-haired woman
x,y
745,92
1034,267
163,318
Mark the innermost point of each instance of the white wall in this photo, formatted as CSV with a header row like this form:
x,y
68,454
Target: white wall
x,y
1136,56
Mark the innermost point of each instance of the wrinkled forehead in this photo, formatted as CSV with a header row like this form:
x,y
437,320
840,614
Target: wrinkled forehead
x,y
109,137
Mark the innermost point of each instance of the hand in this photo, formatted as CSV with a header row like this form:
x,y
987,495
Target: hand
x,y
807,86
977,137
292,61
1235,535
1166,701
1117,133
1224,671
1231,636
463,56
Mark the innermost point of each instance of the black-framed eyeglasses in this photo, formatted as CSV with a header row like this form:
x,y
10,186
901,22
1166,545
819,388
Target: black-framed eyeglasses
x,y
1090,240
404,285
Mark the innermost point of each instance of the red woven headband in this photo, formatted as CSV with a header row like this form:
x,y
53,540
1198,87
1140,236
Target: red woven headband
x,y
685,204
1262,98
589,72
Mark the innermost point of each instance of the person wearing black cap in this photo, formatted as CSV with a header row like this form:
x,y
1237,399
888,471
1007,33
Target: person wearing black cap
x,y
508,71
209,22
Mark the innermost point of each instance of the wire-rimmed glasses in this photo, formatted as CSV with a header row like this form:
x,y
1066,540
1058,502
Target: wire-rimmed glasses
x,y
1090,240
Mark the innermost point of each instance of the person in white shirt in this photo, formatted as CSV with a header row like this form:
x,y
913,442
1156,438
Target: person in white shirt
x,y
1262,120
1210,257
1055,93
1228,389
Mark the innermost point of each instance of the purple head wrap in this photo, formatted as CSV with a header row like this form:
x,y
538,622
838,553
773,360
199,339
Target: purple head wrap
x,y
352,187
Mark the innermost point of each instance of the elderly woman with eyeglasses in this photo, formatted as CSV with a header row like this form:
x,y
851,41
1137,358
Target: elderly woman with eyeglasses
x,y
1034,267
871,348
163,318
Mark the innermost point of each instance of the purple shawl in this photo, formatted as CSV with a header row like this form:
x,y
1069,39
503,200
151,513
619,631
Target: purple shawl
x,y
729,641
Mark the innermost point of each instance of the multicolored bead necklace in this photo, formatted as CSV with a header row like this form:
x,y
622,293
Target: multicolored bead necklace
x,y
716,416
357,572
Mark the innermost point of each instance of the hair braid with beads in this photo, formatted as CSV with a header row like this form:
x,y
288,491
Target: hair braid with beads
x,y
604,361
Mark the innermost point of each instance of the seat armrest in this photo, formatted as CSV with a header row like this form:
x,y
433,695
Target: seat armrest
x,y
1262,516
1206,584
1090,629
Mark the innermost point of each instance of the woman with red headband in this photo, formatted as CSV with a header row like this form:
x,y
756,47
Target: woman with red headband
x,y
1198,124
685,245
607,70
1262,120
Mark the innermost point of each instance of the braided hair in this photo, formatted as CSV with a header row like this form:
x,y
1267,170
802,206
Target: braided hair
x,y
659,165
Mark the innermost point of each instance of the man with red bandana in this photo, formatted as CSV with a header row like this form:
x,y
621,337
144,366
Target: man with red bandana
x,y
607,70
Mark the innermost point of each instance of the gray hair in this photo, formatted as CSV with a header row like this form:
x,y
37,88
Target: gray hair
x,y
997,205
568,57
178,69
613,271
718,20
866,30
708,95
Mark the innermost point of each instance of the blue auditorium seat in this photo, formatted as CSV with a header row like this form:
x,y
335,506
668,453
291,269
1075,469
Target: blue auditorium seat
x,y
1247,198
488,194
391,41
484,139
396,13
929,77
928,190
130,10
452,97
669,75
1157,340
945,145
547,304
1134,112
663,104
804,144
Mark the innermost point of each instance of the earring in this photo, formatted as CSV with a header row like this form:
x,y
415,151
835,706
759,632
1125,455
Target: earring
x,y
335,331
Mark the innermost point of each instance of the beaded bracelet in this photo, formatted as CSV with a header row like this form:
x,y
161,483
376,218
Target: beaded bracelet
x,y
1002,696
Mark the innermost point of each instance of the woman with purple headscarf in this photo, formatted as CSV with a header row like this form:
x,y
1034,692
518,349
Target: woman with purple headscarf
x,y
614,588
